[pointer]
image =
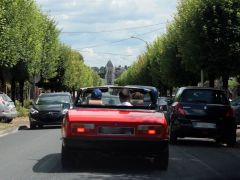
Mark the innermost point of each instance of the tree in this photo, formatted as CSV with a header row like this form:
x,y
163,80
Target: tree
x,y
208,36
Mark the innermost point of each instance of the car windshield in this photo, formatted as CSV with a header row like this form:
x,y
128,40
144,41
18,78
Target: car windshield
x,y
110,97
204,96
52,99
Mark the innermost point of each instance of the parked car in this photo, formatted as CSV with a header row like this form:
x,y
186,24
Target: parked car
x,y
236,106
202,112
113,128
49,109
7,108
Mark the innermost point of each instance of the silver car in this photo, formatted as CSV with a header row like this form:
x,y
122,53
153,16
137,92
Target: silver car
x,y
7,108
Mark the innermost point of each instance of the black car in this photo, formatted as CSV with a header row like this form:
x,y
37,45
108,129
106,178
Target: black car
x,y
49,109
202,112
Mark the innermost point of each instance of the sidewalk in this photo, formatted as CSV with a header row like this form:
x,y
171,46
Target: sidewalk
x,y
15,125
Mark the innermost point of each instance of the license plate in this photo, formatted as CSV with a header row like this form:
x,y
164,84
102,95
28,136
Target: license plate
x,y
204,125
116,131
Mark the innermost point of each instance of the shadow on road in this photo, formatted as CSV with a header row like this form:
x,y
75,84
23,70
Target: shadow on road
x,y
96,164
24,127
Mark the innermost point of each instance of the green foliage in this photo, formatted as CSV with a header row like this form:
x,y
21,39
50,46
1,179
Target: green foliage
x,y
22,111
204,34
232,83
30,48
208,35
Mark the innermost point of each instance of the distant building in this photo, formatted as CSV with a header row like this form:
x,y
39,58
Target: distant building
x,y
119,70
110,73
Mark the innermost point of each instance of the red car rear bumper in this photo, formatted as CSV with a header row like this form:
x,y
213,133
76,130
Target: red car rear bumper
x,y
116,145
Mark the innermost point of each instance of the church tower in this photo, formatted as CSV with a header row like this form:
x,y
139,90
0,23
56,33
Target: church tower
x,y
110,71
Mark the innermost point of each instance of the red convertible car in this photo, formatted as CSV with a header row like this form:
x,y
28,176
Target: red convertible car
x,y
115,119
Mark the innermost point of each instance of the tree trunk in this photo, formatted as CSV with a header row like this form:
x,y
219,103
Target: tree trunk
x,y
211,81
13,89
3,85
73,93
225,82
171,91
21,87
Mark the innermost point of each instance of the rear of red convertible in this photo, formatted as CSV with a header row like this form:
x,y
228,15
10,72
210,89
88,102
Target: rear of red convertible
x,y
126,131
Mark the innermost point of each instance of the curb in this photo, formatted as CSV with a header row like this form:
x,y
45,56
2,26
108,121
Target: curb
x,y
8,131
13,130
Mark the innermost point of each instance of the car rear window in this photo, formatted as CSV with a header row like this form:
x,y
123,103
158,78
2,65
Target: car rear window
x,y
53,99
204,96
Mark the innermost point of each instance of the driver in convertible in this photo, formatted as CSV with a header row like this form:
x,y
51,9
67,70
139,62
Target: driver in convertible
x,y
96,97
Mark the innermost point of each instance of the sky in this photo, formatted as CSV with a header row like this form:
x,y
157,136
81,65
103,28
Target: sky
x,y
103,30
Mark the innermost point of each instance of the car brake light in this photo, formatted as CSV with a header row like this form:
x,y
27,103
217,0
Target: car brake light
x,y
150,129
179,109
82,128
230,113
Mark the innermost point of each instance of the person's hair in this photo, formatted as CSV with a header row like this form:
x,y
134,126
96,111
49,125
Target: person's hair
x,y
96,94
137,95
124,95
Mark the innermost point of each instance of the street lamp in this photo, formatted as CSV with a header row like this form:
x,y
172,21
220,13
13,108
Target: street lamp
x,y
135,37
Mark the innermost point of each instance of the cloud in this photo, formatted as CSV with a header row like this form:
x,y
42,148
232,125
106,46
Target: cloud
x,y
84,17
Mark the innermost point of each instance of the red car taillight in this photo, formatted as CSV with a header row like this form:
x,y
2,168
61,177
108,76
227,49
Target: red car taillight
x,y
150,129
178,109
230,112
82,128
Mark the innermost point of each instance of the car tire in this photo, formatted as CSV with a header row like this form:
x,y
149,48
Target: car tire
x,y
67,158
32,126
161,161
6,120
172,136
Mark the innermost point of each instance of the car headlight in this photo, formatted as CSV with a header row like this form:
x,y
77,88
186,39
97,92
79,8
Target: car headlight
x,y
33,111
65,111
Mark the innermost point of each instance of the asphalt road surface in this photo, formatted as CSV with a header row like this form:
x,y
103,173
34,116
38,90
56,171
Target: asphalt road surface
x,y
35,154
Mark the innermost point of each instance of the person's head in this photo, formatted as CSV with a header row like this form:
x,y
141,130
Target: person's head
x,y
138,96
96,94
124,95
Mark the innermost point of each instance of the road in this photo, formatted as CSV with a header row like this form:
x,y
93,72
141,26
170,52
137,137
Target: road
x,y
35,154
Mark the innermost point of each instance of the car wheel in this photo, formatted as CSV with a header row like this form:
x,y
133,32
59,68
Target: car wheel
x,y
32,126
40,126
231,138
173,136
161,161
6,120
67,158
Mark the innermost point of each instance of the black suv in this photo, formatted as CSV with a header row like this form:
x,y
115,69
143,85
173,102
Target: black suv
x,y
49,109
204,113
